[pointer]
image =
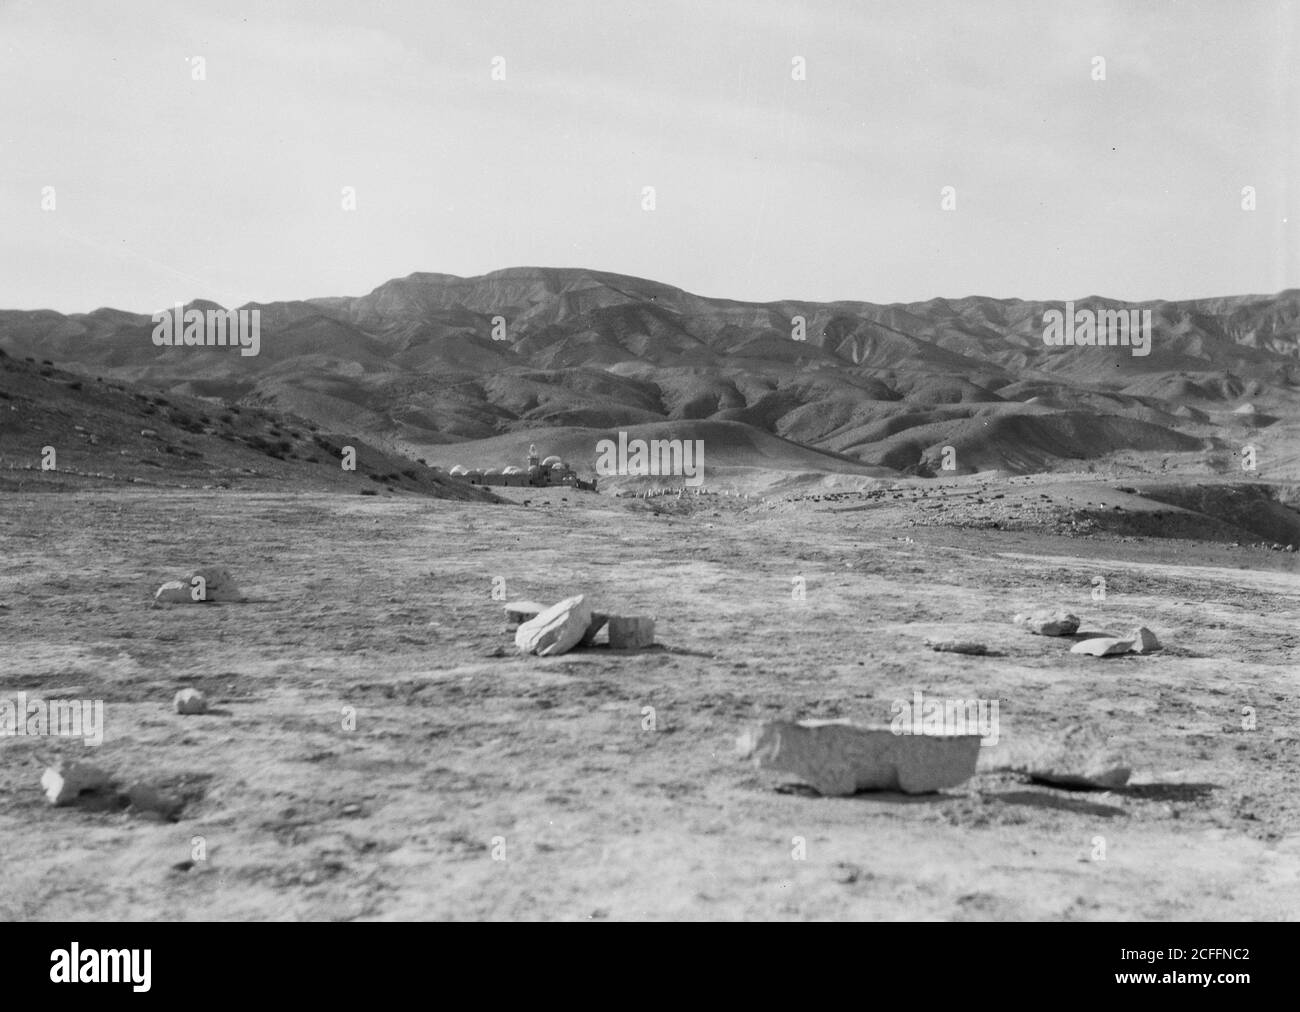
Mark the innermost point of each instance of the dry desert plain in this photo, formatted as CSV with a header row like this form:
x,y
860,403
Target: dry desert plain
x,y
480,784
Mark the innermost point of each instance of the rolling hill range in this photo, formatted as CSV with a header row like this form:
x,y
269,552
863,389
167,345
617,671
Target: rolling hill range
x,y
431,362
61,432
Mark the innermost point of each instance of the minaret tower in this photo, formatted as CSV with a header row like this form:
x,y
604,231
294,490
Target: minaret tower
x,y
532,455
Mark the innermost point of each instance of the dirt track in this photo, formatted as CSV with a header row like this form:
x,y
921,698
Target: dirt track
x,y
384,605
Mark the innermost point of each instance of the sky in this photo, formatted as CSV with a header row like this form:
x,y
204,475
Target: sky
x,y
152,153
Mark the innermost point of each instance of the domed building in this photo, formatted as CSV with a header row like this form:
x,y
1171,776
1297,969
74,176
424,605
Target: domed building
x,y
551,471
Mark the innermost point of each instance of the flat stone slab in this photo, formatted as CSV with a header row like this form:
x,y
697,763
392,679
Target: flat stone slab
x,y
1103,646
1049,622
556,630
631,632
958,647
837,757
518,612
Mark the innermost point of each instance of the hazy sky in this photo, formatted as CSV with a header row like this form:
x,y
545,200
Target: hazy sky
x,y
169,188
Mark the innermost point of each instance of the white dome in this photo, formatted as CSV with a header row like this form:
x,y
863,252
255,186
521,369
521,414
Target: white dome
x,y
512,469
551,461
458,469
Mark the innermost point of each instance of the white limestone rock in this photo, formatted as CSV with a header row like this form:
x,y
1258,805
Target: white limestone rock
x,y
518,612
1049,622
189,701
838,757
172,592
556,630
1103,646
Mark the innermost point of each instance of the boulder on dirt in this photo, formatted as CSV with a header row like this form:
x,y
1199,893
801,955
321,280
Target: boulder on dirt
x,y
631,632
1144,641
66,782
1079,757
1049,622
838,757
958,647
556,630
213,583
216,582
518,612
190,701
1103,646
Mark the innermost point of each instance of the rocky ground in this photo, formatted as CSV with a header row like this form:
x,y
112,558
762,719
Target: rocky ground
x,y
376,749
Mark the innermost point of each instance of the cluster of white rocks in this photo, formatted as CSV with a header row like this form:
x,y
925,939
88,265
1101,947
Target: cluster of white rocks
x,y
572,623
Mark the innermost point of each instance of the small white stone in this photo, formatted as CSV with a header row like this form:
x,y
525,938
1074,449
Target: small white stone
x,y
190,701
63,784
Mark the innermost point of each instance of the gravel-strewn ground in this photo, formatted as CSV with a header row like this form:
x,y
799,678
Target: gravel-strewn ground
x,y
384,606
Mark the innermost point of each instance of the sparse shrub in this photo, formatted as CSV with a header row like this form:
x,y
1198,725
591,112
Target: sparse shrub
x,y
376,477
75,385
369,491
412,474
46,361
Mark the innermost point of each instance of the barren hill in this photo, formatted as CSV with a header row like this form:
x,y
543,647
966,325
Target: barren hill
x,y
61,431
431,360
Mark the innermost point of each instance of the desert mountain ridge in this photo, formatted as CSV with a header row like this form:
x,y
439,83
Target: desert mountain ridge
x,y
435,366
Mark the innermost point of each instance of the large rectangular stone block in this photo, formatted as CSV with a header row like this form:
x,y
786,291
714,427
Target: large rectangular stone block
x,y
838,757
631,632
